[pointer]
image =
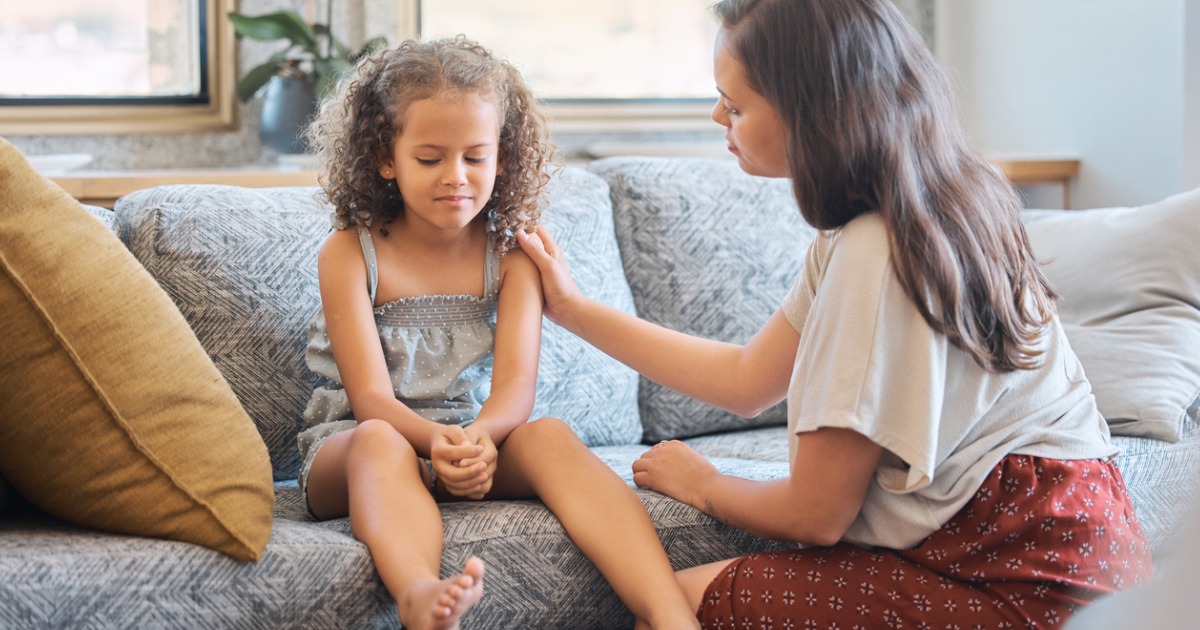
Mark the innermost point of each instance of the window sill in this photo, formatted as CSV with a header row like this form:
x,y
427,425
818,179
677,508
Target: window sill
x,y
103,188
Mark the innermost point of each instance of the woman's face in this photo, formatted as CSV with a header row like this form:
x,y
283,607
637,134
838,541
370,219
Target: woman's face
x,y
753,130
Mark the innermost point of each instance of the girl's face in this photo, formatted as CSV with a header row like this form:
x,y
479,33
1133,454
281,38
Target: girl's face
x,y
753,130
445,161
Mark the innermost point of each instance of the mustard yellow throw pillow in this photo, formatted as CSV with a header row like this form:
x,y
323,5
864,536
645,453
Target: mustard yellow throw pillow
x,y
111,414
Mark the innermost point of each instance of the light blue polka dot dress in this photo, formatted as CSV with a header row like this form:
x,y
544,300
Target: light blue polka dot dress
x,y
438,350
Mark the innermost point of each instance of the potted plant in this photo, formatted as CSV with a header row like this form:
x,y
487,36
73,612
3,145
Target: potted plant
x,y
296,77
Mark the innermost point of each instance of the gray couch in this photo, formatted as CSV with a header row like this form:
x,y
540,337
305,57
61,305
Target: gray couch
x,y
693,244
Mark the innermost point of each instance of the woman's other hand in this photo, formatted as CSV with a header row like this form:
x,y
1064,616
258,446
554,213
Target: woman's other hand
x,y
674,469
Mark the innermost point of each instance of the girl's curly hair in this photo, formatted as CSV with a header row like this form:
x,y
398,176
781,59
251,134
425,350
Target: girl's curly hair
x,y
354,131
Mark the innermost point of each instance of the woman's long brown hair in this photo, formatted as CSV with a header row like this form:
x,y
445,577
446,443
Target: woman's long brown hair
x,y
872,127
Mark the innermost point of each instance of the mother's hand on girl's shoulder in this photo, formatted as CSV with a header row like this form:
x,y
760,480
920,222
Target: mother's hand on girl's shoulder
x,y
558,288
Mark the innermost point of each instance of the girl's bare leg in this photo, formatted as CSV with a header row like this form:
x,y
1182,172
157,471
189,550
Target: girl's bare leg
x,y
602,515
373,474
695,581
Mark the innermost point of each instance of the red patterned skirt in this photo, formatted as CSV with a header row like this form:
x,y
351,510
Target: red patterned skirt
x,y
1041,538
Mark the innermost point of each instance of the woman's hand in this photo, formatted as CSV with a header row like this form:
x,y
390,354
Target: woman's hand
x,y
450,448
558,288
674,469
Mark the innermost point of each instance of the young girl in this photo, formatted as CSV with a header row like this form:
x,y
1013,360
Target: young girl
x,y
434,154
948,465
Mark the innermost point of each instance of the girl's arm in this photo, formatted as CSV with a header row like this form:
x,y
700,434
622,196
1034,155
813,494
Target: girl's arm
x,y
514,372
350,323
815,504
518,340
742,379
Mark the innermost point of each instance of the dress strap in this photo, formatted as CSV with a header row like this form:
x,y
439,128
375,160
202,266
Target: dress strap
x,y
368,249
491,269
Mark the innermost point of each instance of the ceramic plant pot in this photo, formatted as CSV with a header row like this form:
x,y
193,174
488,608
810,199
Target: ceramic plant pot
x,y
289,102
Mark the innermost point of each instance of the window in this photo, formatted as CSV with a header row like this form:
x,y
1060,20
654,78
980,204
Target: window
x,y
601,66
116,66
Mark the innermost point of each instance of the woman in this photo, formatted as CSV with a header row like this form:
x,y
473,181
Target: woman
x,y
948,462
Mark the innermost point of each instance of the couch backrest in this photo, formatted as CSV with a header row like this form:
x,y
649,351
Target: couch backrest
x,y
710,251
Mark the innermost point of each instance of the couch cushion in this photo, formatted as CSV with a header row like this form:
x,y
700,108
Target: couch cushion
x,y
106,217
1162,478
316,575
241,265
595,394
709,251
52,575
1129,280
111,414
108,220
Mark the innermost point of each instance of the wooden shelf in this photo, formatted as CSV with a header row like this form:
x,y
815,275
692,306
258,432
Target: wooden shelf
x,y
1025,172
103,188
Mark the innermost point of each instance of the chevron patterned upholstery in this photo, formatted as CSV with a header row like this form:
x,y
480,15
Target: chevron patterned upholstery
x,y
593,393
240,264
105,216
709,251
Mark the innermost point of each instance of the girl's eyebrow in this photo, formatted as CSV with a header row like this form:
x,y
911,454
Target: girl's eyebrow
x,y
442,147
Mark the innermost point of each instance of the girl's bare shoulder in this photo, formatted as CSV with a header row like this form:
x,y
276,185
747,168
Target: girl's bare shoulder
x,y
340,247
516,260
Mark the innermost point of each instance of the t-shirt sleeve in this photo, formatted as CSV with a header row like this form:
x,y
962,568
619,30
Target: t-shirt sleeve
x,y
799,298
867,361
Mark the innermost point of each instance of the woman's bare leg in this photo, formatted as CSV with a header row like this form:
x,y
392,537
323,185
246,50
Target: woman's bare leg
x,y
602,515
374,475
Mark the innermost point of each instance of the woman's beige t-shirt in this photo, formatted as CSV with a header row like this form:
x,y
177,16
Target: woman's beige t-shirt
x,y
869,362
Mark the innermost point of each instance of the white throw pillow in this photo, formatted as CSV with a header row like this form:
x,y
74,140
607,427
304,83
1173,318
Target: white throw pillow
x,y
1129,281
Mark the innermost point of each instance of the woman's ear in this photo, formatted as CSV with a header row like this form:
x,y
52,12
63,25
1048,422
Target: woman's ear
x,y
386,171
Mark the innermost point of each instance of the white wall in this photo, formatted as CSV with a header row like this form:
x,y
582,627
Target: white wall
x,y
1101,80
1191,98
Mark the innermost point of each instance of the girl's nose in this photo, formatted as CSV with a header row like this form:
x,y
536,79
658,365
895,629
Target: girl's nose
x,y
455,174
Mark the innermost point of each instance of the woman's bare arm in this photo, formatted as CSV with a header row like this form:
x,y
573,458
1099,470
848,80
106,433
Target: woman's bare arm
x,y
744,379
815,504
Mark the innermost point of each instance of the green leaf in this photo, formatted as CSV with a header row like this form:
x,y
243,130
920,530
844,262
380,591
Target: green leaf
x,y
253,81
340,51
278,25
287,25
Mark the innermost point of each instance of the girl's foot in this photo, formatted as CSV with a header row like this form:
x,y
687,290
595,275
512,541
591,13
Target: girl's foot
x,y
440,604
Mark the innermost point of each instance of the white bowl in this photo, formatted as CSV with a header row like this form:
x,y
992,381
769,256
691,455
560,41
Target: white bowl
x,y
57,164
